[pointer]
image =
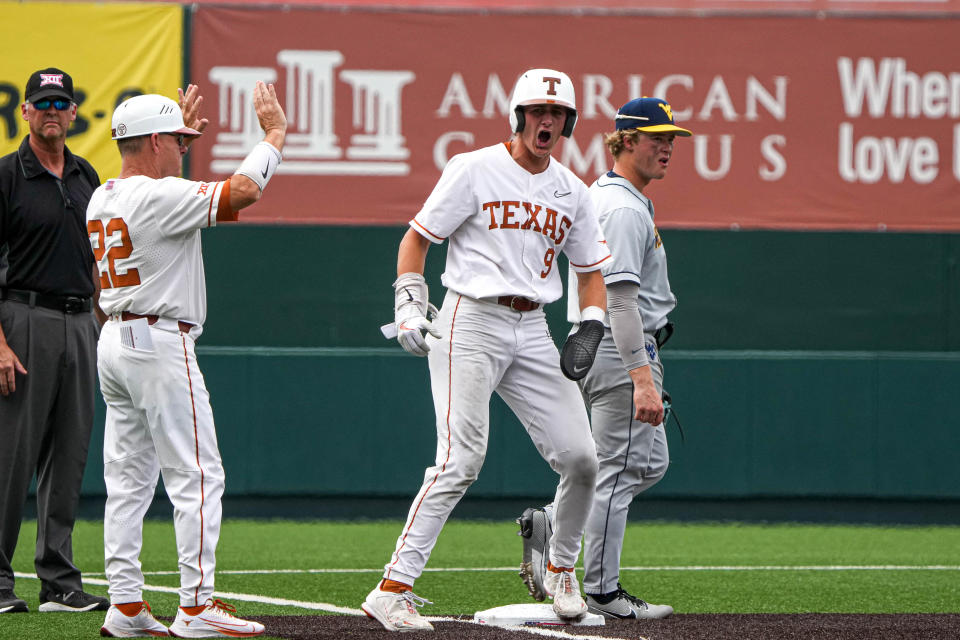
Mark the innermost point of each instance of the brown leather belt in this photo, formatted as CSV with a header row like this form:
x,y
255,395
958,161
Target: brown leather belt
x,y
518,303
152,319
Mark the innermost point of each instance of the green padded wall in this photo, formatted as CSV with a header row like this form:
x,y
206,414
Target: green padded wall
x,y
824,424
330,287
804,364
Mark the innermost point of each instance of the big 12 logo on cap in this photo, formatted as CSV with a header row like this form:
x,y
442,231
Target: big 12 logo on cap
x,y
51,78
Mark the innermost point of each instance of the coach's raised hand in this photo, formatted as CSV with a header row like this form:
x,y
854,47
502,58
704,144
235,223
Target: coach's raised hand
x,y
190,103
270,114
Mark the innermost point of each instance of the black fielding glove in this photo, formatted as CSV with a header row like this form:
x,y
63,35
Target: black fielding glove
x,y
580,349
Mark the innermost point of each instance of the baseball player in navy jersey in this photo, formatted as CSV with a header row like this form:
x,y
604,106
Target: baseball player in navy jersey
x,y
144,228
507,210
623,389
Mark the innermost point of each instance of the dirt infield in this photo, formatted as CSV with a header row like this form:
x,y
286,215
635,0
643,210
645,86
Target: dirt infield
x,y
808,626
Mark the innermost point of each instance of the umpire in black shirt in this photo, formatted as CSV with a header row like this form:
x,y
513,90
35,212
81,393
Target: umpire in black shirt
x,y
48,342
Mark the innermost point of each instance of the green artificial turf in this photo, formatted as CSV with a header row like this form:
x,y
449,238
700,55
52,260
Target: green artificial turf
x,y
697,568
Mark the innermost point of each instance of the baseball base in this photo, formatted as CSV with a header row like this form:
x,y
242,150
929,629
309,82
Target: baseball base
x,y
531,615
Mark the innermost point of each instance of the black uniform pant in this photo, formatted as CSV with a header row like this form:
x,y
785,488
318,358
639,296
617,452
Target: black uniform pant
x,y
45,428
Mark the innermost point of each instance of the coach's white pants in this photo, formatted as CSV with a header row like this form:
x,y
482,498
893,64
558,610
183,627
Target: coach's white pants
x,y
158,421
486,347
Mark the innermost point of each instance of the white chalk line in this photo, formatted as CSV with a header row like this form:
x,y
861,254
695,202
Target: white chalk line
x,y
849,567
322,606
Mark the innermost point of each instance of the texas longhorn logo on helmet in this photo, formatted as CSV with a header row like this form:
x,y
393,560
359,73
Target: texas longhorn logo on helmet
x,y
553,82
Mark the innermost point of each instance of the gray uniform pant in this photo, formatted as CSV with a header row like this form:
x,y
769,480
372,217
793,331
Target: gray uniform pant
x,y
45,428
633,457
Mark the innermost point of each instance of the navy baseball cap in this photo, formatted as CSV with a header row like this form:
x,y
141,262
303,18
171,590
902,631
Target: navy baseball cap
x,y
650,115
49,83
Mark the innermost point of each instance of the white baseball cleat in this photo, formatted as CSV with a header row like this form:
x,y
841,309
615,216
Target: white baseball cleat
x,y
563,587
396,611
143,625
215,621
622,606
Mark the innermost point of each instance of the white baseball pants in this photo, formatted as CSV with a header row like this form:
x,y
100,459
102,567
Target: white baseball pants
x,y
158,420
486,347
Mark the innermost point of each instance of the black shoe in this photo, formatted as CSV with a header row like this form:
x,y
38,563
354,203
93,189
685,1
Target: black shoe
x,y
10,603
73,601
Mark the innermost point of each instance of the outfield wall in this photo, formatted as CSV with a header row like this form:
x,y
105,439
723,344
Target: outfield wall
x,y
804,364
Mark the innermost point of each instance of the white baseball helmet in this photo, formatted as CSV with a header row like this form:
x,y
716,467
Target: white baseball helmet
x,y
146,114
543,86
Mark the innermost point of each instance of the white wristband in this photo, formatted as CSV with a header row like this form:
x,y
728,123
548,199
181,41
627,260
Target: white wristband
x,y
261,163
592,313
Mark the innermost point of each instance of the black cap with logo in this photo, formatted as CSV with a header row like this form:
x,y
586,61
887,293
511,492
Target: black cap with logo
x,y
49,83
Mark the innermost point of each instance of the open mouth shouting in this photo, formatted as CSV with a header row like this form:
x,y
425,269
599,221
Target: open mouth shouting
x,y
544,137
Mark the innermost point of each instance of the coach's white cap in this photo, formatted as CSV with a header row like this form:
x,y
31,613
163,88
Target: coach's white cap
x,y
146,114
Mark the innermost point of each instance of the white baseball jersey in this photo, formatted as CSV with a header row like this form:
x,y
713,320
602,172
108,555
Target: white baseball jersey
x,y
638,255
507,225
145,234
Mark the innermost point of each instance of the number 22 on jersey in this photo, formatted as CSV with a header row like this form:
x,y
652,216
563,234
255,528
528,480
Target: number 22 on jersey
x,y
98,235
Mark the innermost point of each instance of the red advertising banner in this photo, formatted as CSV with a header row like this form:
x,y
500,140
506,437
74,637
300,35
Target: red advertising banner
x,y
799,123
699,7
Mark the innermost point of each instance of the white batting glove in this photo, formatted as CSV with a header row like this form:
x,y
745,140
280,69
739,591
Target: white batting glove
x,y
412,333
410,308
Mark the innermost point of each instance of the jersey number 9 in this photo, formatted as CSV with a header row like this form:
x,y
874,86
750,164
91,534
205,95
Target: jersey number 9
x,y
547,262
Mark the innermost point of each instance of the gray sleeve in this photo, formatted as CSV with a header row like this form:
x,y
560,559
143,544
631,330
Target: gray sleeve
x,y
626,324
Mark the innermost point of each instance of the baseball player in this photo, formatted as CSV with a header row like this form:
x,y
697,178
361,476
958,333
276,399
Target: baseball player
x,y
145,227
623,389
507,210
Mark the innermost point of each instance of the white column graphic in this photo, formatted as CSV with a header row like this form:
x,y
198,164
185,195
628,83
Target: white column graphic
x,y
377,149
376,109
236,112
310,103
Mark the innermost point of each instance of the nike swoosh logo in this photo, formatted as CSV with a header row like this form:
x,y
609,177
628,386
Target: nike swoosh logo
x,y
266,169
579,369
634,351
557,194
227,626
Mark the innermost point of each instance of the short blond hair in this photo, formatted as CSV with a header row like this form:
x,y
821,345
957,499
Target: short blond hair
x,y
614,141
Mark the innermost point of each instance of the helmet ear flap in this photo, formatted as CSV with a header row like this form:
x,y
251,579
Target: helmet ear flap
x,y
520,119
570,123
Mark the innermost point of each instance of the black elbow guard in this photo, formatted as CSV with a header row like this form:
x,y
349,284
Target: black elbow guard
x,y
580,349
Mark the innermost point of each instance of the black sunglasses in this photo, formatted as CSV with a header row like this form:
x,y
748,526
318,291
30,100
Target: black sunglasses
x,y
179,136
58,104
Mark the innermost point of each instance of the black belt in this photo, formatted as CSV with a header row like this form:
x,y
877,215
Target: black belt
x,y
663,334
518,303
66,304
